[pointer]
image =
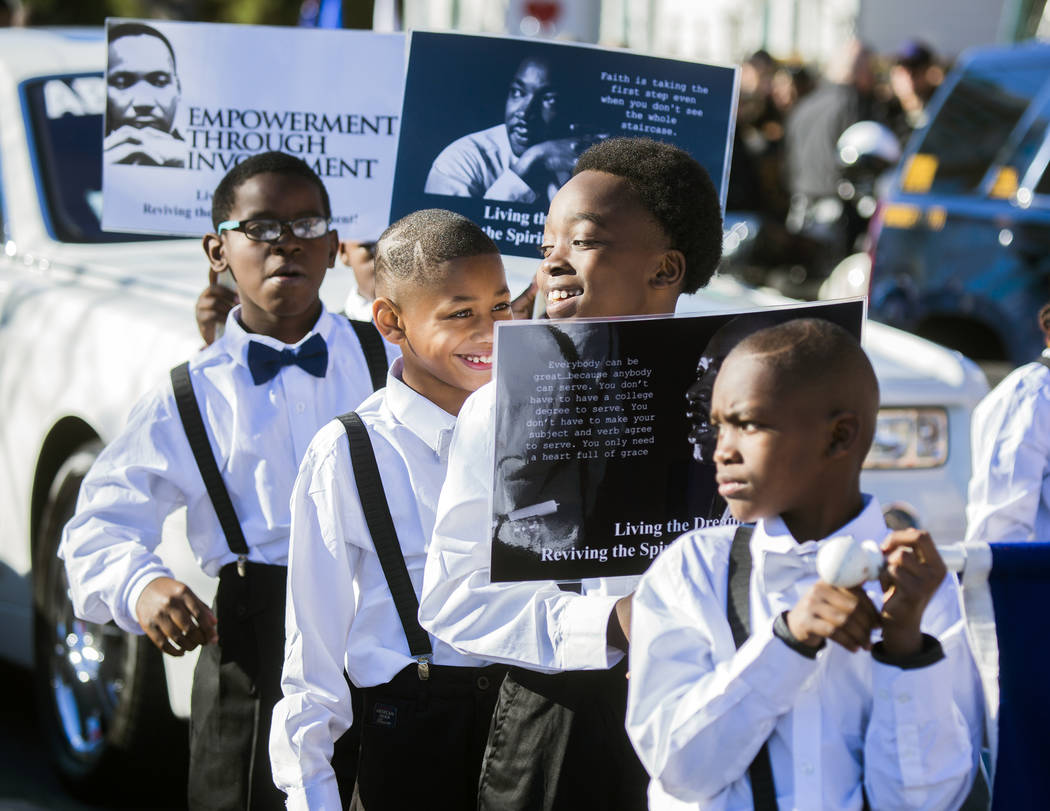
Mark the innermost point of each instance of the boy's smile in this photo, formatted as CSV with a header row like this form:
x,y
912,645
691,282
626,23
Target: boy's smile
x,y
602,251
448,326
771,453
278,281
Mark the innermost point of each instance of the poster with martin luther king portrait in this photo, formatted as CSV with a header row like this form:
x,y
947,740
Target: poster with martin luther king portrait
x,y
185,102
604,444
497,123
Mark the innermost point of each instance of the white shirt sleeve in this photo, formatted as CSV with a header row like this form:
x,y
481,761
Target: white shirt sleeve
x,y
696,718
1011,459
534,624
315,710
924,735
136,482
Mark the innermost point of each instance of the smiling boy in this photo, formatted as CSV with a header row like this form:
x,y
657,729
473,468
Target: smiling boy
x,y
283,368
637,225
440,289
750,707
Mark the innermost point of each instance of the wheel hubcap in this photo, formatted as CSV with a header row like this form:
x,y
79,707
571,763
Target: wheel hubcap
x,y
85,668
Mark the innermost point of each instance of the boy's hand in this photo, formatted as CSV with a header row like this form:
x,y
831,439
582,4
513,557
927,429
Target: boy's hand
x,y
174,618
213,305
845,616
914,571
618,631
521,307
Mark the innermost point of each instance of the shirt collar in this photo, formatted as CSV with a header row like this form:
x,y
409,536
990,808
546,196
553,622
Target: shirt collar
x,y
237,338
773,534
429,422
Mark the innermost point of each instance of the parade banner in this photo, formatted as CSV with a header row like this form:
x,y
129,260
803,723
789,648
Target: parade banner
x,y
185,102
497,123
603,451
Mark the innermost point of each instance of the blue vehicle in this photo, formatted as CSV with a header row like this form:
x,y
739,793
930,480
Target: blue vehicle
x,y
962,243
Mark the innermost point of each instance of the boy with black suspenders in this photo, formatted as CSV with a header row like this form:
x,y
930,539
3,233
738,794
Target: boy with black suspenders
x,y
362,513
228,433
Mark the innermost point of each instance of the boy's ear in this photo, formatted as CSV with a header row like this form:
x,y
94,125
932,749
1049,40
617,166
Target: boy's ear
x,y
845,431
671,270
215,250
333,247
387,317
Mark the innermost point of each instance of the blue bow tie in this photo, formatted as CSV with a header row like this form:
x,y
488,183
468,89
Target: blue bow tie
x,y
264,362
782,569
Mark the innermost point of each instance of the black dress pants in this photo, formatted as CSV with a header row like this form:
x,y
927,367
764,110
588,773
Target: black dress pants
x,y
422,741
558,742
235,687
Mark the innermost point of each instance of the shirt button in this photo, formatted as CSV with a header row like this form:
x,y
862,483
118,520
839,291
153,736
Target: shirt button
x,y
884,693
300,408
807,768
904,698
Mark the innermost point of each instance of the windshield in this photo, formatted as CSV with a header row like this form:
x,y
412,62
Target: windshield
x,y
65,120
975,121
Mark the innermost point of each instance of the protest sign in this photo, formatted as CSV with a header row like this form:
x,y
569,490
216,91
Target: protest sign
x,y
185,102
497,123
603,450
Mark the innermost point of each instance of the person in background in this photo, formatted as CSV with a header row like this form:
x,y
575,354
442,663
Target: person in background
x,y
1009,493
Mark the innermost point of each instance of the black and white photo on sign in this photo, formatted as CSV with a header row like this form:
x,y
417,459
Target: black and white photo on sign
x,y
195,99
604,446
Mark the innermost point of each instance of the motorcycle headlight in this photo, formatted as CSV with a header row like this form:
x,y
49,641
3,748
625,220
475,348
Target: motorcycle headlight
x,y
909,438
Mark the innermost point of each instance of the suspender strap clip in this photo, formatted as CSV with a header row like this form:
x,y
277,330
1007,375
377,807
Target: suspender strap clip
x,y
423,667
242,561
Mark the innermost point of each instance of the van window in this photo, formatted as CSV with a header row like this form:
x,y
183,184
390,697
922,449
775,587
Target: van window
x,y
975,120
65,117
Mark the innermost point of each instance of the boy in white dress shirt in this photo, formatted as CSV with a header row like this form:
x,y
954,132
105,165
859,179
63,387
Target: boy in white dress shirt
x,y
775,717
440,289
637,225
283,368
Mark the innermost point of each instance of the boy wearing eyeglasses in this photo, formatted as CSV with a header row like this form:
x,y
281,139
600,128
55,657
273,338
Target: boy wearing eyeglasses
x,y
283,368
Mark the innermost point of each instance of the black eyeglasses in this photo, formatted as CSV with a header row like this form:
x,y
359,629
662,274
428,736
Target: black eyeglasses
x,y
270,230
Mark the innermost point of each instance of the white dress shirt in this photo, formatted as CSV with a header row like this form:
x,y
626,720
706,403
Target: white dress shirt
x,y
257,434
357,306
340,612
535,624
1009,495
699,709
478,165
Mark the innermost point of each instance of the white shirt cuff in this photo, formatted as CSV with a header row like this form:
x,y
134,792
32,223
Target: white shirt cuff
x,y
320,796
583,629
772,669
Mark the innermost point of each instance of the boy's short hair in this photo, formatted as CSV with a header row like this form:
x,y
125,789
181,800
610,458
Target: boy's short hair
x,y
808,352
277,163
675,190
413,247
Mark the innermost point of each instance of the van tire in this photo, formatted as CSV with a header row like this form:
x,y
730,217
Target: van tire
x,y
101,693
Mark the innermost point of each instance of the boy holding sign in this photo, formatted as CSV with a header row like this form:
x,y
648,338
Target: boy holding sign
x,y
636,226
750,707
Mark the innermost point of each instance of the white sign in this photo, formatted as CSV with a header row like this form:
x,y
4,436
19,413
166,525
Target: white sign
x,y
185,102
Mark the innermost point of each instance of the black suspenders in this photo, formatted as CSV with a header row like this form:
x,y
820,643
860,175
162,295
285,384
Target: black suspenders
x,y
738,612
1043,359
192,423
384,538
375,353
